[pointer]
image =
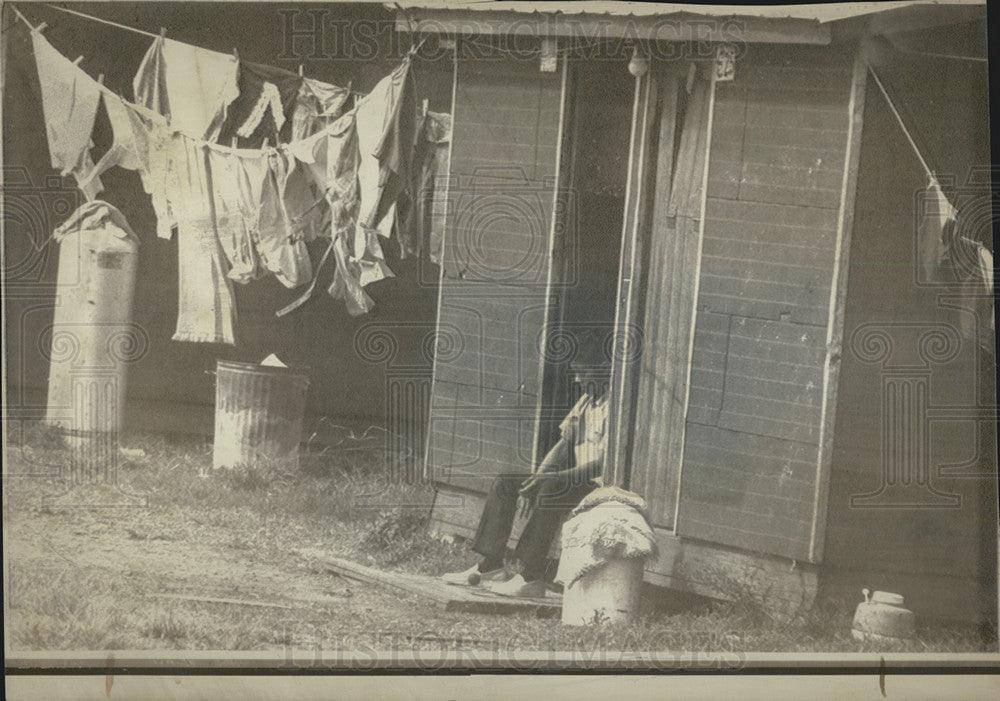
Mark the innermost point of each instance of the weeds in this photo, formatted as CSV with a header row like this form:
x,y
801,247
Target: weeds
x,y
249,521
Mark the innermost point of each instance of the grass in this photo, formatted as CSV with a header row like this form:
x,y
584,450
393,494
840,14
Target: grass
x,y
91,579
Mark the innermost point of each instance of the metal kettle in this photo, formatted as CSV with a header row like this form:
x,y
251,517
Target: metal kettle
x,y
882,616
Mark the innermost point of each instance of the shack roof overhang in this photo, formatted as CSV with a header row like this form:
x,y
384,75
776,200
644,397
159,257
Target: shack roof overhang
x,y
591,20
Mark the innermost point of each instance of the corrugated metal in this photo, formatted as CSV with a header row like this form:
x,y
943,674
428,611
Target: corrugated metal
x,y
258,415
821,12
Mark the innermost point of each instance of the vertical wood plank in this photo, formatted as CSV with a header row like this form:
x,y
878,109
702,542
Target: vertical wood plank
x,y
554,216
441,267
697,285
617,448
838,293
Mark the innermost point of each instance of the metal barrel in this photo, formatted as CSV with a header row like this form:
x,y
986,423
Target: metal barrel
x,y
258,415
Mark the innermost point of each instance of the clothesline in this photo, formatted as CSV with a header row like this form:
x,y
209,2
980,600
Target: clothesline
x,y
906,132
136,30
932,54
902,124
242,152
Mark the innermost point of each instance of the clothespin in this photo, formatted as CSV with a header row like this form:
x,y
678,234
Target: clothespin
x,y
267,142
425,104
100,79
163,32
236,53
40,27
77,61
232,142
301,72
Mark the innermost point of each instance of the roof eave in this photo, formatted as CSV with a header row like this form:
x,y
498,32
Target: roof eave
x,y
676,27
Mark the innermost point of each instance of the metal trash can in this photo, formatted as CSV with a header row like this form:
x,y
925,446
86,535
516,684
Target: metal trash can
x,y
258,415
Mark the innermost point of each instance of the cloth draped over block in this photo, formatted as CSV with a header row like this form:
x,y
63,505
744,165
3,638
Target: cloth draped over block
x,y
608,524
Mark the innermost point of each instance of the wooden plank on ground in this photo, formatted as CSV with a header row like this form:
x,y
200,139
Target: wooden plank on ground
x,y
449,597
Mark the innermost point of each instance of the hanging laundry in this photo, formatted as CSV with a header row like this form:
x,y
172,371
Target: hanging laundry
x,y
395,150
238,180
304,201
279,250
332,158
986,277
206,311
317,105
130,140
70,100
937,214
435,178
155,178
347,283
375,116
263,110
415,219
191,87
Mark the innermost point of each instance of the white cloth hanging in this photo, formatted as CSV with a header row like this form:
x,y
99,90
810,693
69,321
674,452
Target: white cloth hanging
x,y
188,85
70,99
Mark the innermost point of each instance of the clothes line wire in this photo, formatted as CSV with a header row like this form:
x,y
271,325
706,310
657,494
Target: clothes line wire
x,y
909,137
125,27
101,20
932,54
253,153
902,124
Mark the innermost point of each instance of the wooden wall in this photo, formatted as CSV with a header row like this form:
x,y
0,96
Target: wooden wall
x,y
774,185
494,294
934,543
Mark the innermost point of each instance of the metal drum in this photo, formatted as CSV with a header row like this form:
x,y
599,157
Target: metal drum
x,y
258,415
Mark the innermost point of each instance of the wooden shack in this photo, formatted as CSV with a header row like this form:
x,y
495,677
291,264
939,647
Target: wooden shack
x,y
801,410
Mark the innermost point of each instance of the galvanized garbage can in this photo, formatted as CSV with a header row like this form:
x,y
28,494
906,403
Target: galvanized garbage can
x,y
258,415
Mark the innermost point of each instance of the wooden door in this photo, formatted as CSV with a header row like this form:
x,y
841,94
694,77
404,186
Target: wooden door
x,y
495,283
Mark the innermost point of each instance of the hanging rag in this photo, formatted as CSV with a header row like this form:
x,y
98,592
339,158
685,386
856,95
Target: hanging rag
x,y
70,99
206,312
347,280
396,156
302,196
333,157
433,191
156,176
279,249
238,181
985,259
263,110
379,117
608,524
317,105
416,224
932,247
343,158
92,216
130,140
191,87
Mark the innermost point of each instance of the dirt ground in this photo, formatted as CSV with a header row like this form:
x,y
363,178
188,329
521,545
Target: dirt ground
x,y
211,562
